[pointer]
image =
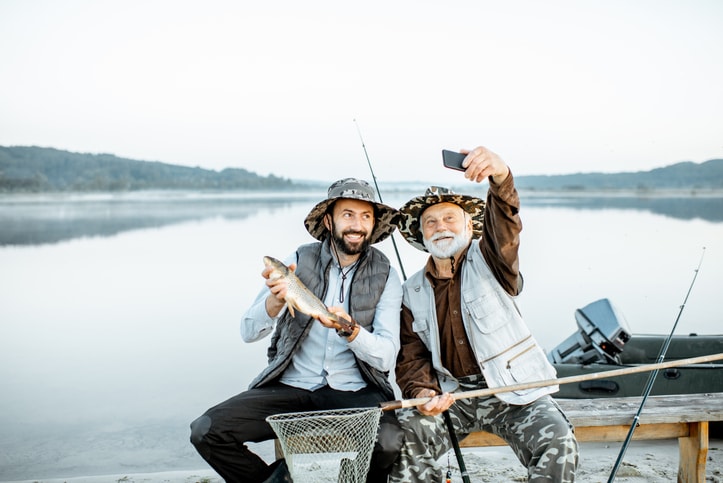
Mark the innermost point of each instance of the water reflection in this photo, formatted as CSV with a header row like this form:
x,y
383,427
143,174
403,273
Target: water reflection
x,y
42,220
708,208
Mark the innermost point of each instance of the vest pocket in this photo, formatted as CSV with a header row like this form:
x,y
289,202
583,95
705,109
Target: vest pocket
x,y
520,364
529,365
486,312
421,328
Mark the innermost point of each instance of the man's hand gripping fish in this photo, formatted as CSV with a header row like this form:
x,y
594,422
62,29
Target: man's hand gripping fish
x,y
299,297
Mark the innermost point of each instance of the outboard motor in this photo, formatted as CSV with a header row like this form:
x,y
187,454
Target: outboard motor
x,y
601,336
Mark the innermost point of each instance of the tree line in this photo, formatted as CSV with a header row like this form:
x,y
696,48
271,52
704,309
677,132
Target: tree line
x,y
36,169
680,176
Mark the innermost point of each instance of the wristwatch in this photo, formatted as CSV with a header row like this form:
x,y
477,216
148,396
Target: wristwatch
x,y
347,328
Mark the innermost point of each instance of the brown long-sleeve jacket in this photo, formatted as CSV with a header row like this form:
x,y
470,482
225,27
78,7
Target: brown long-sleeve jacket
x,y
499,245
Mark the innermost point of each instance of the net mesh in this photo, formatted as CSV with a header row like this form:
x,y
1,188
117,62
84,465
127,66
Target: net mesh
x,y
327,446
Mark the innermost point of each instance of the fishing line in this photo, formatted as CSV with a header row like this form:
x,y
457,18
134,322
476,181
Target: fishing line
x,y
379,193
652,377
447,419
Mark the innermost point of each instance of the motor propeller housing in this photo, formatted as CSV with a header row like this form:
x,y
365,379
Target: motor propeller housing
x,y
601,336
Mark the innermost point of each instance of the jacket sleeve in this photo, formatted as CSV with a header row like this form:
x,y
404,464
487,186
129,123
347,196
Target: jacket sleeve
x,y
256,322
414,370
501,240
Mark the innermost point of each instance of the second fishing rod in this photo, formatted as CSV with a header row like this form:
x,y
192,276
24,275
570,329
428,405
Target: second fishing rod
x,y
651,378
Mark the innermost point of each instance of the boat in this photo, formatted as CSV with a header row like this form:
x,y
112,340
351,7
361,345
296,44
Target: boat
x,y
603,342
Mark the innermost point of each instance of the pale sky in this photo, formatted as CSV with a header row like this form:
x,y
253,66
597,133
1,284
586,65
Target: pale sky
x,y
274,86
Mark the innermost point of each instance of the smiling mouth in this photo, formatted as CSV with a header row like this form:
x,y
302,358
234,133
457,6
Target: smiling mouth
x,y
354,237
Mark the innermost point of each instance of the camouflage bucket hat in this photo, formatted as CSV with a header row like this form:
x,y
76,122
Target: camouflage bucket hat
x,y
352,189
411,212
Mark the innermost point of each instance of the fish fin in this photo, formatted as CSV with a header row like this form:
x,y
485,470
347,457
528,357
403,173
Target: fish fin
x,y
291,307
331,315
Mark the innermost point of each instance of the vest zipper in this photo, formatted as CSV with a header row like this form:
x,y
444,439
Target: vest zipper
x,y
507,350
509,362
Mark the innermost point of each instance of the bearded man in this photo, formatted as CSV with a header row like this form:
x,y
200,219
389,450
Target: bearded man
x,y
461,331
318,365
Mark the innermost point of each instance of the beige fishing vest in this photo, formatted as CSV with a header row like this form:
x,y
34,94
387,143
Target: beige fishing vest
x,y
506,352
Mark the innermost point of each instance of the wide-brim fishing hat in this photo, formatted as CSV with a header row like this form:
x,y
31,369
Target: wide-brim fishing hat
x,y
412,210
352,189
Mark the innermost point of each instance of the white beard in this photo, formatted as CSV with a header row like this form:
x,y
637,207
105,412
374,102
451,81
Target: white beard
x,y
449,247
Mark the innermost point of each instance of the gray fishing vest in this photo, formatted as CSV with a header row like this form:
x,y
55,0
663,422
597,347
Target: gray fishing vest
x,y
314,262
505,350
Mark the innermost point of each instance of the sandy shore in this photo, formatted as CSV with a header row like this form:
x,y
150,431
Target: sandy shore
x,y
648,461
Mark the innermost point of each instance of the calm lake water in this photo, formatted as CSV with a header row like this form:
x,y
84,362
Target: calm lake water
x,y
119,314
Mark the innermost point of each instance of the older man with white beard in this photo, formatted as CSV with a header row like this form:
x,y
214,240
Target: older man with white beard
x,y
461,330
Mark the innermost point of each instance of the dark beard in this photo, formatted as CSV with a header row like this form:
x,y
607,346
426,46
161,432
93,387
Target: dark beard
x,y
341,244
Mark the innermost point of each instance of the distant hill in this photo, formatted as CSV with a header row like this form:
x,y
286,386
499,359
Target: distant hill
x,y
35,169
679,176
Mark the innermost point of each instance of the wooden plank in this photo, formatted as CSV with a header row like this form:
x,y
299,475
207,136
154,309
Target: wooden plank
x,y
594,433
657,409
642,432
482,438
609,419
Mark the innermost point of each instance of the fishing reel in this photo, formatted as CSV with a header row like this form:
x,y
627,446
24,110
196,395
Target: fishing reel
x,y
601,336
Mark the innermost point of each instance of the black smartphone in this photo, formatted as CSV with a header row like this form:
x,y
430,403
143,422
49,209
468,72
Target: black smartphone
x,y
453,160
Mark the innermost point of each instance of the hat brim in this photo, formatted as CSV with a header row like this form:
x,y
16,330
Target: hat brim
x,y
384,224
410,213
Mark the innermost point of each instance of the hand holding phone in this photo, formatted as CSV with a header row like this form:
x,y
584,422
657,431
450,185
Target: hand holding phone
x,y
453,160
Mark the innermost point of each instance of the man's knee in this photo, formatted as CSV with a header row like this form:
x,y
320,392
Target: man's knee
x,y
389,444
563,428
386,451
199,430
569,440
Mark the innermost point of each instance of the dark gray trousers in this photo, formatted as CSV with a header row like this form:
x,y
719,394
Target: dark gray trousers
x,y
221,433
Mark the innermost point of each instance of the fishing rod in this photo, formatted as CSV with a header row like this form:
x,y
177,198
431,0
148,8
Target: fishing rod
x,y
379,193
490,391
651,379
447,418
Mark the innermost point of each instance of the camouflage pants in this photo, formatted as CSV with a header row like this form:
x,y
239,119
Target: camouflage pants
x,y
538,433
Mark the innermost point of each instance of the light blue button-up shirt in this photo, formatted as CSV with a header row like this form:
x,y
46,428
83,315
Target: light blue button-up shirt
x,y
324,357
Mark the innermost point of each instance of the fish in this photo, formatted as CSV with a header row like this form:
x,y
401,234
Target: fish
x,y
298,296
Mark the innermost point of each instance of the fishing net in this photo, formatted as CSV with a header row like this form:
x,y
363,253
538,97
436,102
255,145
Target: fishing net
x,y
327,446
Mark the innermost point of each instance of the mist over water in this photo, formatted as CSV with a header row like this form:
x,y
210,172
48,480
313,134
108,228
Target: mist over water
x,y
119,316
